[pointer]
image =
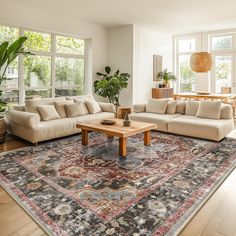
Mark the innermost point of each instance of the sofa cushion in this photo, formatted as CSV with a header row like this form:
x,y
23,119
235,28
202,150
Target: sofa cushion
x,y
139,107
32,104
200,127
180,107
171,107
93,106
76,109
107,107
157,106
85,108
86,97
48,112
209,109
191,108
60,107
160,119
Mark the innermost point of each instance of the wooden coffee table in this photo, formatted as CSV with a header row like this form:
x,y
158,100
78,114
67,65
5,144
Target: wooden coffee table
x,y
118,130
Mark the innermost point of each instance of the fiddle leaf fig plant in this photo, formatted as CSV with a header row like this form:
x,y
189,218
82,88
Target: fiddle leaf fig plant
x,y
8,53
110,85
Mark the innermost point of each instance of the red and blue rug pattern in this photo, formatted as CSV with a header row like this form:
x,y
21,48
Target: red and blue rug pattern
x,y
70,189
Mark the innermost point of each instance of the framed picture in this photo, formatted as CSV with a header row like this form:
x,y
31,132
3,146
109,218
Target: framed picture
x,y
157,66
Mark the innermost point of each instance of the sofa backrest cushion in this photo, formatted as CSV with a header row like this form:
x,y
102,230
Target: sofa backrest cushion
x,y
191,108
48,112
83,102
60,107
84,97
226,111
209,109
74,110
32,104
157,106
171,107
180,107
93,107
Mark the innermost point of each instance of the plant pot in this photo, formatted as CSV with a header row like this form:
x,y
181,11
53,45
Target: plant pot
x,y
167,84
3,130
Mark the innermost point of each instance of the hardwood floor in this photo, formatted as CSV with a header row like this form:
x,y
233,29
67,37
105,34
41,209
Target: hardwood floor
x,y
216,218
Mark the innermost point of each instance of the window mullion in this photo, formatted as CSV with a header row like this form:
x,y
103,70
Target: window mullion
x,y
21,74
53,66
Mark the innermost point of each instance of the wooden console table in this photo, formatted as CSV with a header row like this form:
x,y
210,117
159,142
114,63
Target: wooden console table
x,y
162,93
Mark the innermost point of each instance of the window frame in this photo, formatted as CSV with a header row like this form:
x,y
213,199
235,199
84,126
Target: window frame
x,y
223,52
53,54
177,54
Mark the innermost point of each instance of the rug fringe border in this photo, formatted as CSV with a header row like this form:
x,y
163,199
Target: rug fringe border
x,y
35,218
188,217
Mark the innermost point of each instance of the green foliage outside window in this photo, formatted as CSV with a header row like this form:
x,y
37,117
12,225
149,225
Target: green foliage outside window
x,y
69,72
187,79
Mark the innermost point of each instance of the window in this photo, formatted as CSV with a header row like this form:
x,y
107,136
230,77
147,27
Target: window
x,y
69,70
223,72
224,53
56,67
186,45
186,75
221,42
10,86
69,45
184,48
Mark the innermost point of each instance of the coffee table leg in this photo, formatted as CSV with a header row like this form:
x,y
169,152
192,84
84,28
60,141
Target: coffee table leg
x,y
84,137
147,138
122,147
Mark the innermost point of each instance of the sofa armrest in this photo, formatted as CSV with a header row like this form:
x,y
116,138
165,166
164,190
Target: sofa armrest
x,y
26,119
107,107
137,108
226,111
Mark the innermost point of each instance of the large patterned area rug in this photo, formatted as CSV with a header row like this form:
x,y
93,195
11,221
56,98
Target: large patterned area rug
x,y
70,189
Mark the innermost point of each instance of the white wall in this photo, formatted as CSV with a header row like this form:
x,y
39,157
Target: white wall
x,y
120,55
16,14
146,44
131,48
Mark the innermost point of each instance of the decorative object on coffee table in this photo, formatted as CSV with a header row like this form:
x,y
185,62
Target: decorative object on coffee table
x,y
108,122
126,121
121,111
118,130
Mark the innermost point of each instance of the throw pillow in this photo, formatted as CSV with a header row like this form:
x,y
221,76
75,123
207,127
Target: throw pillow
x,y
60,107
93,106
171,107
209,109
180,108
76,109
85,109
48,112
191,108
157,106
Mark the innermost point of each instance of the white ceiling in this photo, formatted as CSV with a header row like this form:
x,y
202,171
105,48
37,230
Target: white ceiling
x,y
172,16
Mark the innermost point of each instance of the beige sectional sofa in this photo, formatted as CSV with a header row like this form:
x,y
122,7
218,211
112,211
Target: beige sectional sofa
x,y
207,120
26,122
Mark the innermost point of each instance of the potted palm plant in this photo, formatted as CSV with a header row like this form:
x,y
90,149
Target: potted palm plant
x,y
110,85
166,77
8,53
